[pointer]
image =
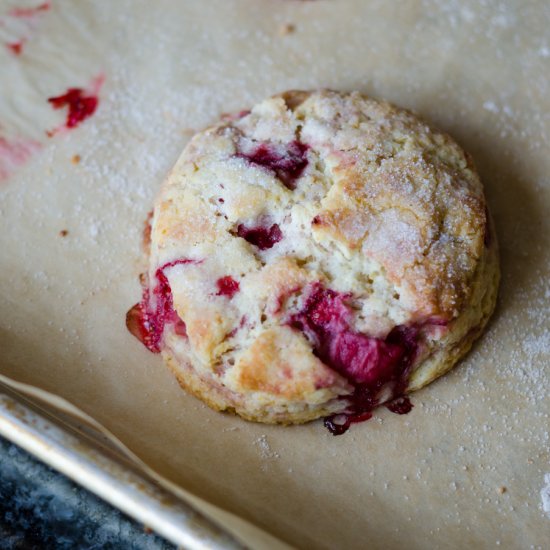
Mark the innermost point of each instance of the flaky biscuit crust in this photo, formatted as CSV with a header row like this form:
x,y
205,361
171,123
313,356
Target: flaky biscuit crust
x,y
317,188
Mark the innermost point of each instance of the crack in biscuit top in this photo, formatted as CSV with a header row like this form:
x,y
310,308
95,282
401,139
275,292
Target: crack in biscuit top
x,y
287,161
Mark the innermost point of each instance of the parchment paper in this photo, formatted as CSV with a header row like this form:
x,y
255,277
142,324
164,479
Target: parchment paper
x,y
466,466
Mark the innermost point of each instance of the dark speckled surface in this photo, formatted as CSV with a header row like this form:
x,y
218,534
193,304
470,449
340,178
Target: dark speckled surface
x,y
42,509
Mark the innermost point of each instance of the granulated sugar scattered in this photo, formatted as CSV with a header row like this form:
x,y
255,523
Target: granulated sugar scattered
x,y
265,450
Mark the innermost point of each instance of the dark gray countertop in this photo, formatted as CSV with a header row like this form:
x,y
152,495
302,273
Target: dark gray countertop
x,y
42,509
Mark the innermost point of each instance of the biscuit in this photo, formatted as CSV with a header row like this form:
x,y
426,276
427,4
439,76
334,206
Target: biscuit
x,y
317,256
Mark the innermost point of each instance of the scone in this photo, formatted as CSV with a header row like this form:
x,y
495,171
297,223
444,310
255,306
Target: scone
x,y
317,256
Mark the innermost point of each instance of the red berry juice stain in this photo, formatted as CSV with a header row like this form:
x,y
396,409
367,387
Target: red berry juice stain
x,y
287,162
15,153
27,23
261,236
16,47
147,321
227,286
24,13
80,104
370,364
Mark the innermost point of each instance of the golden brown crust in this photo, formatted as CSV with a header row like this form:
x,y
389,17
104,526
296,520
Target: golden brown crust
x,y
219,400
470,324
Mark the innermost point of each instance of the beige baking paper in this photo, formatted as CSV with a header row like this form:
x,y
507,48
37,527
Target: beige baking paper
x,y
465,468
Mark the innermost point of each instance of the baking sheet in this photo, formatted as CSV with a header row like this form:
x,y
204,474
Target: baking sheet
x,y
466,466
73,443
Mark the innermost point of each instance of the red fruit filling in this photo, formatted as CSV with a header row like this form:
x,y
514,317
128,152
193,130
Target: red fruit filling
x,y
147,322
401,405
261,236
372,365
227,286
287,161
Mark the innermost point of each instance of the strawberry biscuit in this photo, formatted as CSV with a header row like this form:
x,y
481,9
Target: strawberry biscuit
x,y
317,256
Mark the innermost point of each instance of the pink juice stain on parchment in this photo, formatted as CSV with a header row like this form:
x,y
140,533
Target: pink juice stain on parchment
x,y
27,17
80,104
16,47
31,11
14,153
